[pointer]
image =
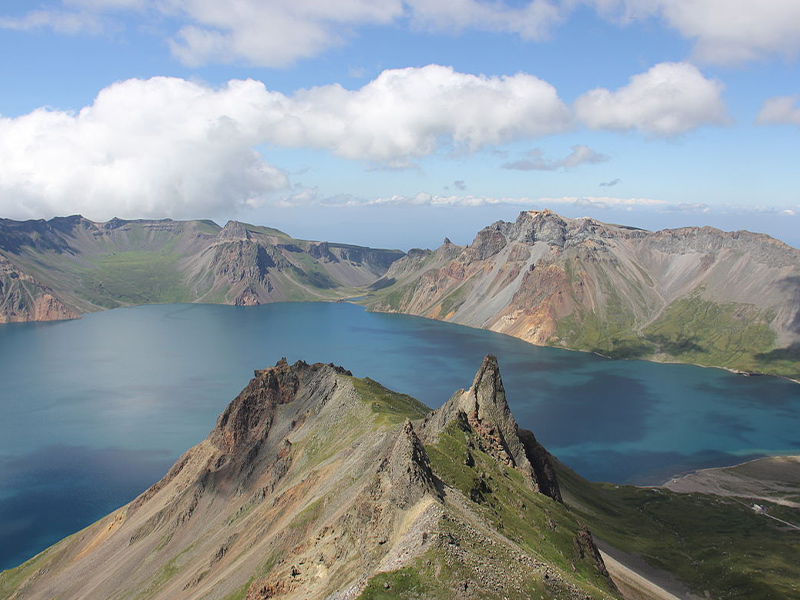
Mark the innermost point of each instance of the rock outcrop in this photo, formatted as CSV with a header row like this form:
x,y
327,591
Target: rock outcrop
x,y
23,298
314,484
484,409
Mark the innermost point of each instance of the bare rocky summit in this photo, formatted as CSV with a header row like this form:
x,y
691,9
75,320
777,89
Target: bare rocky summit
x,y
315,484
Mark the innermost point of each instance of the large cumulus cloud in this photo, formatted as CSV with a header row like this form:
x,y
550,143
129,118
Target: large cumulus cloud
x,y
167,146
667,100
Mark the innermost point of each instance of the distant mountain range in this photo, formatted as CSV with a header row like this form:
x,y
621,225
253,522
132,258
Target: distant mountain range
x,y
696,295
315,484
68,266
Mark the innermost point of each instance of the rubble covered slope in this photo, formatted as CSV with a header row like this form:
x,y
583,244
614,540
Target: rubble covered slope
x,y
696,294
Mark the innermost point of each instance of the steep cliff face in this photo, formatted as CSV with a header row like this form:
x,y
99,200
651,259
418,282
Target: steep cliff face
x,y
78,266
314,484
22,298
693,294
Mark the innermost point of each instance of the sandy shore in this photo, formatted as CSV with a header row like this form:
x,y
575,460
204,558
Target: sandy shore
x,y
773,479
638,580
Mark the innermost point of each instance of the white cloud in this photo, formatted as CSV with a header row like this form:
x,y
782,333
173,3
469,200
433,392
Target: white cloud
x,y
724,31
780,110
161,147
405,113
277,33
65,22
532,21
270,32
167,146
274,33
424,198
668,100
580,155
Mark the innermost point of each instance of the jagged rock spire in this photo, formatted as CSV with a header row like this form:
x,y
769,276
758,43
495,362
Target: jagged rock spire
x,y
487,412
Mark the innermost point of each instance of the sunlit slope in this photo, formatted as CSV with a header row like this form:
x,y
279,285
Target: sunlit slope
x,y
87,266
315,484
695,295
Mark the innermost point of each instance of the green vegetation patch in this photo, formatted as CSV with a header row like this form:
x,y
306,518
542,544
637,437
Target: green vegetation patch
x,y
391,407
135,277
164,574
391,298
691,330
543,527
240,593
726,334
12,579
610,337
405,583
714,544
436,575
455,299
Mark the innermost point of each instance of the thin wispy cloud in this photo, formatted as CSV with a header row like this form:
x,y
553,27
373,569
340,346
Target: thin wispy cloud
x,y
781,110
275,33
537,162
723,31
611,183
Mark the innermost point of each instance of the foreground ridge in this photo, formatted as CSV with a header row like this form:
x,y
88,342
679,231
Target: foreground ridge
x,y
317,484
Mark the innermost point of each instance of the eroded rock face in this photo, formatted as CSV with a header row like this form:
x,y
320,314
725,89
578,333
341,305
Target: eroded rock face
x,y
23,298
410,469
248,418
192,261
616,290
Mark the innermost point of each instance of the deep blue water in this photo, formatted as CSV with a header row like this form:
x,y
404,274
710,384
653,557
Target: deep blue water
x,y
95,410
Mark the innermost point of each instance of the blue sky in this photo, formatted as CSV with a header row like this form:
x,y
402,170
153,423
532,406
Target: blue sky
x,y
395,123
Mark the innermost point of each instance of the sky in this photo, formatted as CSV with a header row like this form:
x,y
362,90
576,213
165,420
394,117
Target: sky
x,y
396,123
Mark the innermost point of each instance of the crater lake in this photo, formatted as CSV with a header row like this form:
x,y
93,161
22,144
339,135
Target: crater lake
x,y
96,410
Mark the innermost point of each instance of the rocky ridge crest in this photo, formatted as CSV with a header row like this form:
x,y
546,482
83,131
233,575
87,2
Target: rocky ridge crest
x,y
694,294
314,484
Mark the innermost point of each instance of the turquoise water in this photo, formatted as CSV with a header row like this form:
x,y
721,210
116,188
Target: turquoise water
x,y
95,410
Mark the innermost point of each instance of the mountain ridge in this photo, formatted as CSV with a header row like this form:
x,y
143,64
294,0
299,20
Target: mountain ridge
x,y
72,265
697,295
315,484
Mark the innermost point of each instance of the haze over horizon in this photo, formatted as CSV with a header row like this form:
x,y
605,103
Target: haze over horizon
x,y
397,123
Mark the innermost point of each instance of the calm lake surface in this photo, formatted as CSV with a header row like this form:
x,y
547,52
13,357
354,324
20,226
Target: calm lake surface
x,y
94,411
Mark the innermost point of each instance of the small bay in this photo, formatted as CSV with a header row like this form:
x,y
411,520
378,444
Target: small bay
x,y
96,410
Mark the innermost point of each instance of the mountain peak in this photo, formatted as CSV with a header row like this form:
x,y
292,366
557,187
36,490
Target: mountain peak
x,y
249,418
315,485
484,409
410,468
233,231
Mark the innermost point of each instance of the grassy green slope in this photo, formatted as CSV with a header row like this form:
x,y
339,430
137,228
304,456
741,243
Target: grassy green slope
x,y
539,526
690,330
714,544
